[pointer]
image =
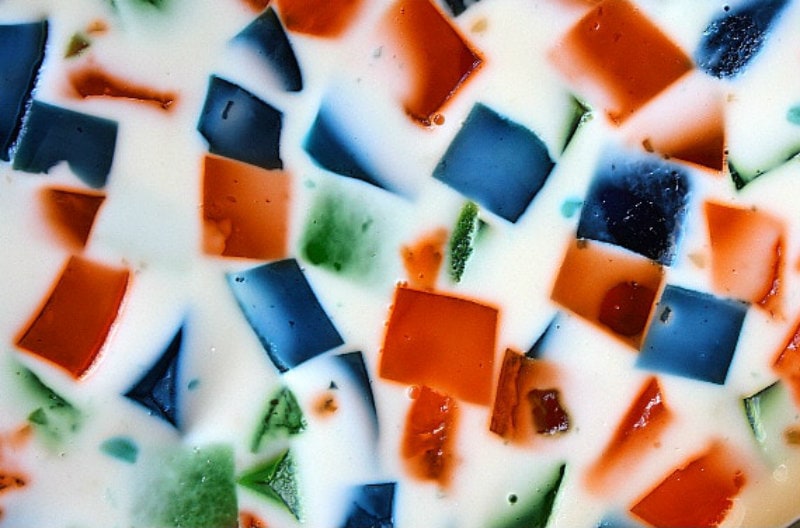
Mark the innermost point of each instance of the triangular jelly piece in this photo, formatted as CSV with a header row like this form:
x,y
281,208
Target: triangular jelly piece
x,y
537,510
353,363
276,480
283,415
373,506
268,38
72,213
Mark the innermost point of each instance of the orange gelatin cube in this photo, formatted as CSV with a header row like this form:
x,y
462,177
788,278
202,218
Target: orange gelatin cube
x,y
424,258
75,320
443,342
746,253
622,56
699,494
321,18
71,213
245,210
610,287
440,59
429,435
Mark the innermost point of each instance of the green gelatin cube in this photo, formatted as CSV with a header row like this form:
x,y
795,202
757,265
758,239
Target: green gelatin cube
x,y
121,448
53,415
276,480
283,417
535,510
774,420
462,240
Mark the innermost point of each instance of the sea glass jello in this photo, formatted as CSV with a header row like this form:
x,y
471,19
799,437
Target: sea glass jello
x,y
399,263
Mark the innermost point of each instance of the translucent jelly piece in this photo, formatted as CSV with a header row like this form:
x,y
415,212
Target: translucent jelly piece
x,y
53,415
733,39
423,259
251,520
71,213
457,335
121,448
321,18
787,362
284,312
438,58
283,416
372,507
699,494
53,134
462,239
621,56
611,288
496,162
94,82
21,55
429,436
157,389
535,511
353,363
267,37
637,202
275,479
239,125
774,420
693,334
74,321
746,253
459,6
245,210
549,416
78,43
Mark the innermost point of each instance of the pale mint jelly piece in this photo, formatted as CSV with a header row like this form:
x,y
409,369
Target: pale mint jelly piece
x,y
121,448
775,421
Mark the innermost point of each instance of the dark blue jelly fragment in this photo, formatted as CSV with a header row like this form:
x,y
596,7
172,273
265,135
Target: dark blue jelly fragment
x,y
459,6
373,506
733,39
537,349
268,38
239,125
157,390
353,363
284,313
693,334
53,134
495,162
21,55
637,202
619,520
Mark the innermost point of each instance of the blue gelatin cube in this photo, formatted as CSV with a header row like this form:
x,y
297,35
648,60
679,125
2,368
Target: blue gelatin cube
x,y
459,6
239,125
733,39
157,390
373,506
637,202
21,55
53,134
284,312
495,162
356,368
693,334
266,36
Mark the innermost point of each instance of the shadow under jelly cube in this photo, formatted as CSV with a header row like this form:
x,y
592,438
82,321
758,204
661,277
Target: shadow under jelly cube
x,y
496,162
693,334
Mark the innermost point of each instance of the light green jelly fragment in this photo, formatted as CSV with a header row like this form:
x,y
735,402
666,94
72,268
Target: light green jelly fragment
x,y
771,413
283,417
462,240
53,416
535,512
121,448
275,479
793,115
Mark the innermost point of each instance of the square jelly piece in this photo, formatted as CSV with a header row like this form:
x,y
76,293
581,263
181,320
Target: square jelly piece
x,y
693,334
266,36
284,312
496,162
373,505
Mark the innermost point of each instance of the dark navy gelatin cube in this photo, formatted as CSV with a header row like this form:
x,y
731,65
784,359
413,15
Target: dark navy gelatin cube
x,y
284,312
373,506
637,202
693,334
496,162
356,368
21,55
733,39
268,38
157,390
53,134
459,6
239,125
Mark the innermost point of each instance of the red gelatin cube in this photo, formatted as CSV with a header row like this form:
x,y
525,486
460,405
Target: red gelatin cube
x,y
699,494
429,435
321,18
549,417
245,210
75,320
440,341
71,213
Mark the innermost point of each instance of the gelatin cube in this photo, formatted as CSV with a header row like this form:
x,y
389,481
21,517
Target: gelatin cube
x,y
637,202
458,339
52,134
787,363
693,334
462,240
239,125
429,436
282,417
157,389
746,253
353,363
459,6
439,59
22,49
251,520
276,480
537,509
773,418
549,417
321,18
121,448
266,36
423,259
699,494
284,313
71,213
53,415
496,162
94,82
245,210
622,56
372,506
74,321
733,39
